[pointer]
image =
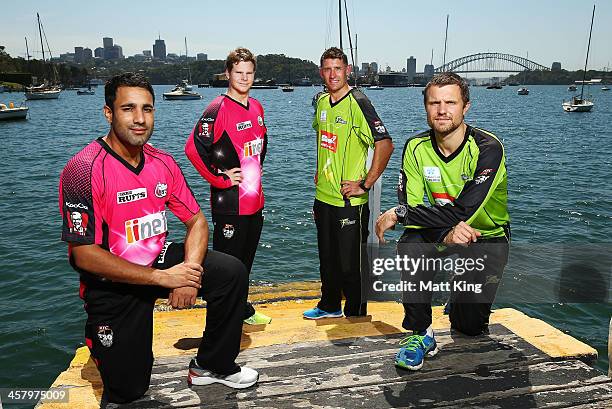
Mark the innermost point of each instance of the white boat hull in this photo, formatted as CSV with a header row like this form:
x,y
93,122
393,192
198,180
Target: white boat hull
x,y
585,107
43,94
174,97
13,113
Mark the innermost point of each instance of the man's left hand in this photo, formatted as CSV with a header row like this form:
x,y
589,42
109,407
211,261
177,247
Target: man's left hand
x,y
182,297
385,221
350,188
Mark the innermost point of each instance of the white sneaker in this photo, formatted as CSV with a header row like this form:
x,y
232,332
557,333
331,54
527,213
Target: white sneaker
x,y
240,380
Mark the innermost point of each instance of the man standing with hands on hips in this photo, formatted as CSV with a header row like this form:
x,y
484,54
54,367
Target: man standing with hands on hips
x,y
347,126
227,147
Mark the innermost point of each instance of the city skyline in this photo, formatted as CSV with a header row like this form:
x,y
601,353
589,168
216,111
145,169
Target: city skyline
x,y
549,31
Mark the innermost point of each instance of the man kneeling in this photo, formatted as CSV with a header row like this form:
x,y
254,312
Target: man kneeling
x,y
113,199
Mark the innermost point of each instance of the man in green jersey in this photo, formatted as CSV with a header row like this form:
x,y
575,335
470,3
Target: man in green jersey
x,y
346,125
461,170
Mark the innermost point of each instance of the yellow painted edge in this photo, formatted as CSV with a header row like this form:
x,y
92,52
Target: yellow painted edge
x,y
288,327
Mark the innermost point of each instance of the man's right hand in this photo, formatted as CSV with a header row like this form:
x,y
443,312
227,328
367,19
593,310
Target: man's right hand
x,y
180,275
235,175
462,233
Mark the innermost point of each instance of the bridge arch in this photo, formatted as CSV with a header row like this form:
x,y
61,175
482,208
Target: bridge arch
x,y
491,62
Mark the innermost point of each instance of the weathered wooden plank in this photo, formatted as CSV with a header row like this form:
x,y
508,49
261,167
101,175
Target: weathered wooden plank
x,y
466,365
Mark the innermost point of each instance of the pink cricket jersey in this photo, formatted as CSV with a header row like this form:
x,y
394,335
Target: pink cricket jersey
x,y
106,201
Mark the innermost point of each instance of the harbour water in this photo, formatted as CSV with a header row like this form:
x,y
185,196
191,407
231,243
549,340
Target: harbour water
x,y
558,165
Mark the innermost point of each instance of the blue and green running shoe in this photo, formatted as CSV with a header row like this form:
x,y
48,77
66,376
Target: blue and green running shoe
x,y
317,313
413,350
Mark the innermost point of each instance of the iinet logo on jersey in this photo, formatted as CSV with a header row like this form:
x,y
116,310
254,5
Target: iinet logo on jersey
x,y
253,147
145,227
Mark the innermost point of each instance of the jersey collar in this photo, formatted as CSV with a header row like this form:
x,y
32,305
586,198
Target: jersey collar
x,y
134,169
447,159
238,102
333,104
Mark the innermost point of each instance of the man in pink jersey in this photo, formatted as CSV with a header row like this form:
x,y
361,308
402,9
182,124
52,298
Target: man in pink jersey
x,y
227,147
113,198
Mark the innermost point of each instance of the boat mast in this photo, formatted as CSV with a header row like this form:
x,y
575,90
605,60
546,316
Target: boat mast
x,y
445,39
42,47
27,49
340,20
587,54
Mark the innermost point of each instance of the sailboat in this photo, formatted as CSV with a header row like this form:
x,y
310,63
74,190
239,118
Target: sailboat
x,y
46,90
523,90
580,103
183,90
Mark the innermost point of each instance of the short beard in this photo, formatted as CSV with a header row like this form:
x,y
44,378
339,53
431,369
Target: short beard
x,y
131,140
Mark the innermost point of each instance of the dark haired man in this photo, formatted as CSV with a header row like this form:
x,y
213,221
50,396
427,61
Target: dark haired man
x,y
461,170
346,125
227,146
121,187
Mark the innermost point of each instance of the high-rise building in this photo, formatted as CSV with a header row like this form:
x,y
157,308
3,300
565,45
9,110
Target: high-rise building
x,y
411,68
365,67
107,42
374,67
147,53
78,55
202,57
99,52
556,66
87,55
428,72
159,49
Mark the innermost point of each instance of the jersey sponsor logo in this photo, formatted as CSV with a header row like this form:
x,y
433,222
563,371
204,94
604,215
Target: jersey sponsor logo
x,y
442,198
260,120
133,195
400,185
105,335
486,172
228,231
161,190
380,128
204,129
339,120
323,116
241,126
162,254
480,179
329,141
145,227
254,147
432,174
77,222
346,222
76,205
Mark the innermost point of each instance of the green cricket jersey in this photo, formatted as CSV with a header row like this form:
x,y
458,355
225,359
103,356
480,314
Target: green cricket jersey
x,y
345,131
470,185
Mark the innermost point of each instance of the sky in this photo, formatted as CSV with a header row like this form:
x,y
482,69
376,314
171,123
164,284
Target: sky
x,y
388,31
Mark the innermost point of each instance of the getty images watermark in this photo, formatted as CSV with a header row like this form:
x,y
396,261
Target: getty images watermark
x,y
520,273
413,272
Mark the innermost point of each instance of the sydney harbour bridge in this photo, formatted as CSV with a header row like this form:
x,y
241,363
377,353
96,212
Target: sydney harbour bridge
x,y
491,62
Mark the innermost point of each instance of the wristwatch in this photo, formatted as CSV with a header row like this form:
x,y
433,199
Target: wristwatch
x,y
363,186
400,212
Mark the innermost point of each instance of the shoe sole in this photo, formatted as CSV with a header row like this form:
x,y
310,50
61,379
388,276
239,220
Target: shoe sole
x,y
324,316
207,380
430,354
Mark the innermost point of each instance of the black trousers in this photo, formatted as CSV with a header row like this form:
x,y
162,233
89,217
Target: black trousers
x,y
239,237
119,327
469,311
341,231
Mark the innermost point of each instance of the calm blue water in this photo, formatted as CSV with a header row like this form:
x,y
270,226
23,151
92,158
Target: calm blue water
x,y
558,164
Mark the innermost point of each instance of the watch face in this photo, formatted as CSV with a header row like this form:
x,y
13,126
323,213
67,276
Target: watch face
x,y
400,211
